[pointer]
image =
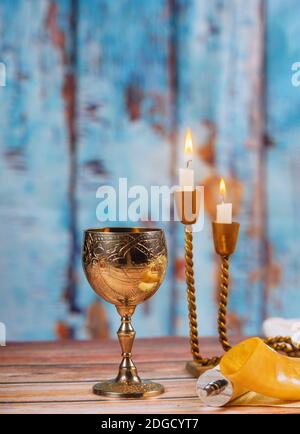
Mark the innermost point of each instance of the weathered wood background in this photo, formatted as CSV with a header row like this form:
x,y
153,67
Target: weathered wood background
x,y
101,89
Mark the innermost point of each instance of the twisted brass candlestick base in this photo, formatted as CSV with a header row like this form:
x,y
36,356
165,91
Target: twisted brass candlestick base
x,y
222,326
199,363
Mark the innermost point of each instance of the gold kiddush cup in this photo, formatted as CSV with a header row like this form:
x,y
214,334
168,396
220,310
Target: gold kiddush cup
x,y
125,266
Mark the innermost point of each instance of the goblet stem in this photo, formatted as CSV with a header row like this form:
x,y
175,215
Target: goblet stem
x,y
126,334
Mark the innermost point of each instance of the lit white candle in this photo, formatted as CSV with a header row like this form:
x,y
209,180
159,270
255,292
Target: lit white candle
x,y
224,210
186,176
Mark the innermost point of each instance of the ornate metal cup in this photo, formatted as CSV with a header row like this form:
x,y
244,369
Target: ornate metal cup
x,y
125,266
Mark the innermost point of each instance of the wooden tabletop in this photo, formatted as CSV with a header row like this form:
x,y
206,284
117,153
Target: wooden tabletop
x,y
57,377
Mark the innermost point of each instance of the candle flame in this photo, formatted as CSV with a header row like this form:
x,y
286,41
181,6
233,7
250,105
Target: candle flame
x,y
188,142
223,189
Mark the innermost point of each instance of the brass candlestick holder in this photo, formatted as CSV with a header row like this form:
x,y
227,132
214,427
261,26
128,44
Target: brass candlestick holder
x,y
125,266
225,239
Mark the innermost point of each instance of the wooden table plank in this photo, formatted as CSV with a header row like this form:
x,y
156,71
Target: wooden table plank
x,y
88,372
154,406
62,392
86,352
102,351
57,377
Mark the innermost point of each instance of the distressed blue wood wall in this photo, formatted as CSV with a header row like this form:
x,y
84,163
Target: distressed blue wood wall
x,y
98,90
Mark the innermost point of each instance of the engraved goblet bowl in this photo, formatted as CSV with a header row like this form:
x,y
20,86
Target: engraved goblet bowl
x,y
125,266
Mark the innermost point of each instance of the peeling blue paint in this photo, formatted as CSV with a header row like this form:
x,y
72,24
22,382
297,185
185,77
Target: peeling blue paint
x,y
110,96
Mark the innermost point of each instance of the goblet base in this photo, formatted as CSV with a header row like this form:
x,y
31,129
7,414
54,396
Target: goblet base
x,y
117,389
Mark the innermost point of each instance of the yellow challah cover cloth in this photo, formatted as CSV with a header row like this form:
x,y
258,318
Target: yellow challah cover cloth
x,y
272,379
